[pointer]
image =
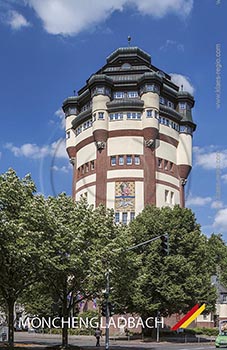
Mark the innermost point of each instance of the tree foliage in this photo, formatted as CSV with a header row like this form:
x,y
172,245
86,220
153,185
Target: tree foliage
x,y
18,253
176,282
218,257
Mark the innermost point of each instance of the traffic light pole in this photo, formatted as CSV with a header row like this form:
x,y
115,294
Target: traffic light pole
x,y
107,342
158,326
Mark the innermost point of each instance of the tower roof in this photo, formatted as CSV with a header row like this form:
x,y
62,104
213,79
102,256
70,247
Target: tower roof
x,y
129,52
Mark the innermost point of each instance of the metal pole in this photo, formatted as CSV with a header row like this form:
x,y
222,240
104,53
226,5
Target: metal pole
x,y
107,308
143,243
157,332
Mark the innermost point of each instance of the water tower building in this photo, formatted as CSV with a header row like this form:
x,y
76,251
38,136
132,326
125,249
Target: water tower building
x,y
129,136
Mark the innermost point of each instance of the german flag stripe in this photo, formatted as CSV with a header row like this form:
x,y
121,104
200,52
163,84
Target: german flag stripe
x,y
185,318
193,317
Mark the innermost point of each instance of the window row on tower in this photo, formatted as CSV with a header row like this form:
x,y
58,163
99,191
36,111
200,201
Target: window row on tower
x,y
124,217
125,94
125,160
129,115
168,122
164,164
164,101
150,113
169,197
131,94
86,168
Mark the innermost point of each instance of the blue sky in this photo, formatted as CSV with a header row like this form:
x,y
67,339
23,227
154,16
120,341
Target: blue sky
x,y
50,47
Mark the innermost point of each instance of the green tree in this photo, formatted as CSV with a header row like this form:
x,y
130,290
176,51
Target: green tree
x,y
176,282
218,257
77,245
18,253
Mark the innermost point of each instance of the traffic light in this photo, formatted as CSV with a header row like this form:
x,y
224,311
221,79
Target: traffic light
x,y
159,318
111,309
165,244
104,308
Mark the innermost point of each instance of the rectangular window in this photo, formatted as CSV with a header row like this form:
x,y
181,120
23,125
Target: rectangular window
x,y
166,164
82,169
101,115
119,94
116,116
124,218
94,117
172,197
133,115
100,90
132,94
170,104
150,87
87,167
162,120
68,135
137,160
182,105
161,100
224,298
149,113
156,114
129,160
183,128
171,166
113,160
166,196
132,215
117,218
121,160
78,130
159,162
92,165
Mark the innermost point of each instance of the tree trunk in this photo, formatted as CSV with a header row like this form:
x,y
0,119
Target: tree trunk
x,y
148,332
65,318
10,303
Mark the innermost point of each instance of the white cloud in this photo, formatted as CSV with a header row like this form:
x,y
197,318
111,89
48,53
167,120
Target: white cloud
x,y
220,220
198,201
17,20
217,205
58,149
180,79
33,151
63,169
61,115
29,150
159,8
172,43
69,17
208,158
224,178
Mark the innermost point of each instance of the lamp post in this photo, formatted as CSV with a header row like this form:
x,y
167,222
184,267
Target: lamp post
x,y
107,340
